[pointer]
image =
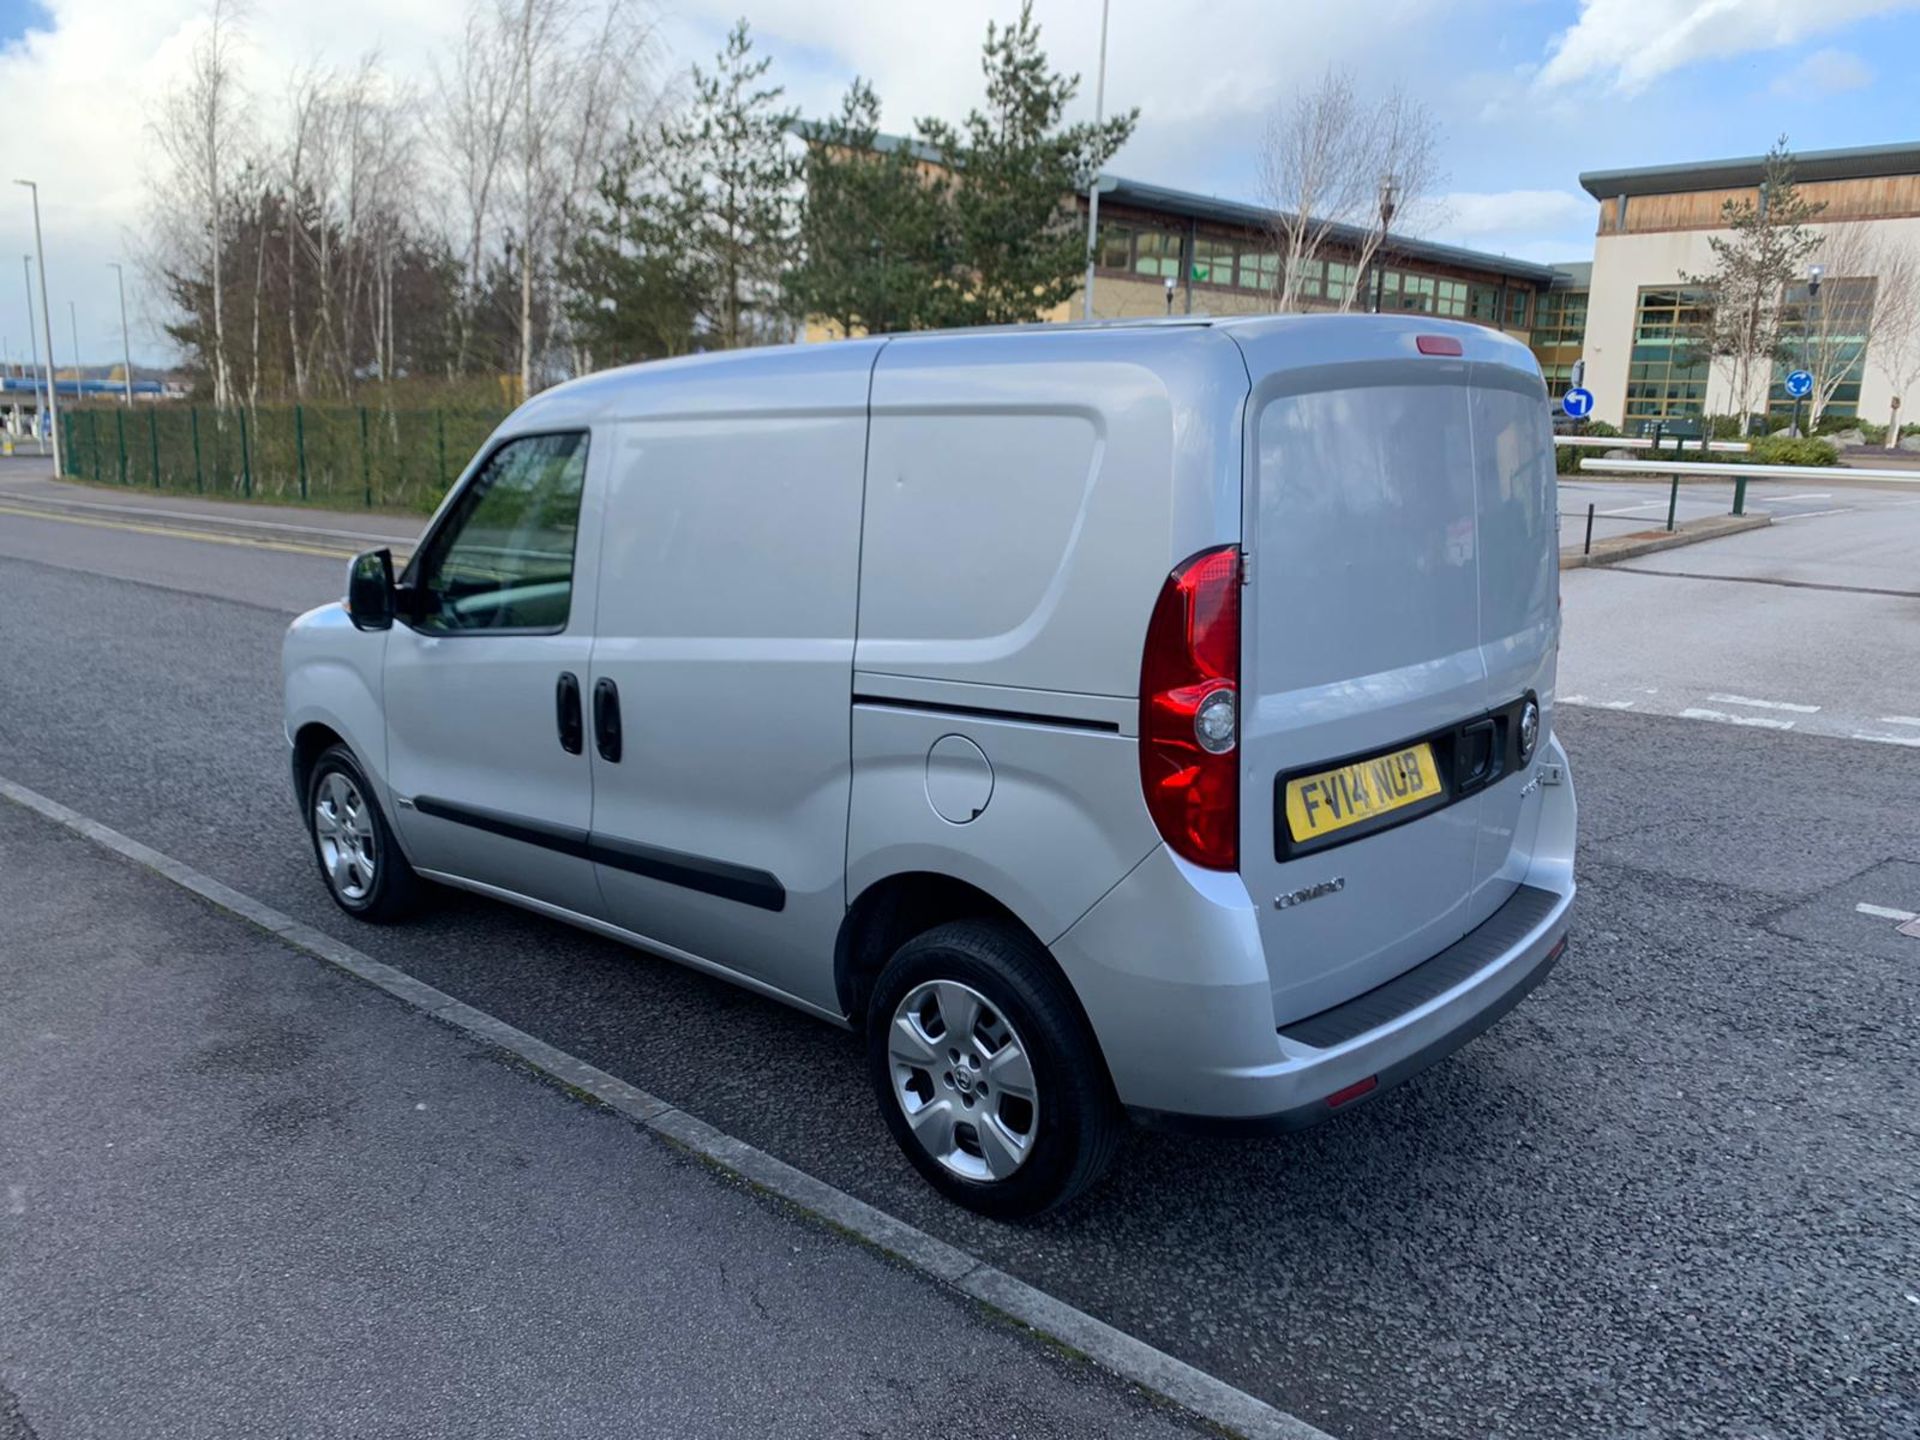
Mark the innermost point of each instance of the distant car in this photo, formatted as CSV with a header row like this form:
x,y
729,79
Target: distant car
x,y
1149,720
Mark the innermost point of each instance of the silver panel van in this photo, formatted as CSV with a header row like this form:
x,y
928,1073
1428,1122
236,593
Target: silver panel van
x,y
1147,721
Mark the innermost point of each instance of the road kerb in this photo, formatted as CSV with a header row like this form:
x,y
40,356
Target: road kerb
x,y
1646,542
1122,1355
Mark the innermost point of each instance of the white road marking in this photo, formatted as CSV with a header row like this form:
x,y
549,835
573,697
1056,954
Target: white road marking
x,y
1598,704
1763,721
1816,514
1882,912
1823,495
1765,704
1900,720
1650,505
1912,741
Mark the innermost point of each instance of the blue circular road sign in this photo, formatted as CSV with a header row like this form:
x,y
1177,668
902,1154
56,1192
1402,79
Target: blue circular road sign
x,y
1800,384
1578,403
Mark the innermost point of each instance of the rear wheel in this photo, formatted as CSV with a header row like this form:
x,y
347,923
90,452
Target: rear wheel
x,y
986,1072
365,872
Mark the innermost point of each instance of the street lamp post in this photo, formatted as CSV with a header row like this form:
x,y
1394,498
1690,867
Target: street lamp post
x,y
46,324
33,344
126,345
73,329
1389,201
1815,273
1093,185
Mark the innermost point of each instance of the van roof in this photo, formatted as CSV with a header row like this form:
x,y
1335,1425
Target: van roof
x,y
836,353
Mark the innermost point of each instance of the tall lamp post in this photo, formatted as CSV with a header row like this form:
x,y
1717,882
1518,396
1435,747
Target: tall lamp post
x,y
46,327
73,329
1093,185
1389,201
126,345
33,344
1815,274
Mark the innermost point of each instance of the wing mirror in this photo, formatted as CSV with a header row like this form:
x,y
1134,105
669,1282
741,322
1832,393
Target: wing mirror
x,y
370,592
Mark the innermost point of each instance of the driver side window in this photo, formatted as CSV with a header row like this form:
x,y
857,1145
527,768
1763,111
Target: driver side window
x,y
504,559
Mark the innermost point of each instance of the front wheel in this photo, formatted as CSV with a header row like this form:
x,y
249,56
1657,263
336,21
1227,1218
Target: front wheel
x,y
986,1072
365,872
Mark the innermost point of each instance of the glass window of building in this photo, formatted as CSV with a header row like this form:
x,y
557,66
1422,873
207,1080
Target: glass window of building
x,y
1401,290
1212,261
1340,280
1826,334
1667,371
1259,270
1483,303
1558,336
1450,297
1116,247
1157,252
1517,298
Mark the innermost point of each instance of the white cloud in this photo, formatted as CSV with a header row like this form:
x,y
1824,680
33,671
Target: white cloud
x,y
1547,225
1468,214
1825,72
1631,43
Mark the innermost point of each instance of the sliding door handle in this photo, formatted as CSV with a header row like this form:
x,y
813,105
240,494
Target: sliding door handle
x,y
606,720
566,713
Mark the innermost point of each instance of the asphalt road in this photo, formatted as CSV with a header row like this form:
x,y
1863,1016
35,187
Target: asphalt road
x,y
247,1196
1673,1193
1811,625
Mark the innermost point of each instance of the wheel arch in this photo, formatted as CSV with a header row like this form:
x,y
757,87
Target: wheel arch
x,y
894,909
310,742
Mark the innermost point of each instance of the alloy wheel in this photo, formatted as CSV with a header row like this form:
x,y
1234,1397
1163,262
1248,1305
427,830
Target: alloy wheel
x,y
963,1079
343,830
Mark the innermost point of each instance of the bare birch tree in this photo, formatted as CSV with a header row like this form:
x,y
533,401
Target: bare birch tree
x,y
1896,333
1403,153
529,106
200,128
478,100
306,93
1325,159
1314,176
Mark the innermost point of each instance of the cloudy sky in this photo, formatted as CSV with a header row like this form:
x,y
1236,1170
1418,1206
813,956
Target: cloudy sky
x,y
1529,93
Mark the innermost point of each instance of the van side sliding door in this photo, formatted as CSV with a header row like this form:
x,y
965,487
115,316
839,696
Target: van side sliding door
x,y
723,663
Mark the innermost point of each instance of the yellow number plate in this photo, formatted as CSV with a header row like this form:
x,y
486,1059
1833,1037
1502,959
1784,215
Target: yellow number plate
x,y
1320,804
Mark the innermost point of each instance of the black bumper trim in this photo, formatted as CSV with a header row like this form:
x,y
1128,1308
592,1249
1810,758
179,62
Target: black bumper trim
x,y
1467,956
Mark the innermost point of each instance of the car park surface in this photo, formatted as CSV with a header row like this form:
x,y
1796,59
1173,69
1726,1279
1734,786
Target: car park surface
x,y
1668,1194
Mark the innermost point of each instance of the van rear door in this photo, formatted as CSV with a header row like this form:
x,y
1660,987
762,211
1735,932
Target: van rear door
x,y
1369,727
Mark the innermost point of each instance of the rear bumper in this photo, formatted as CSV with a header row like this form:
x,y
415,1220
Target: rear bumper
x,y
1397,1049
1170,970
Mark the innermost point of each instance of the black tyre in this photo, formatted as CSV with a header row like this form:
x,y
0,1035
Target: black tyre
x,y
987,1073
361,864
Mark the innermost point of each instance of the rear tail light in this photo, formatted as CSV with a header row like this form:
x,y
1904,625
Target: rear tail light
x,y
1189,710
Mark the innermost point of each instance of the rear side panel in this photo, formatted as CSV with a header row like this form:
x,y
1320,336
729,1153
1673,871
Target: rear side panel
x,y
1027,494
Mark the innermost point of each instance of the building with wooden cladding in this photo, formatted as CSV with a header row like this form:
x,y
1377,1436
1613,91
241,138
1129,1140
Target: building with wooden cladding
x,y
1654,225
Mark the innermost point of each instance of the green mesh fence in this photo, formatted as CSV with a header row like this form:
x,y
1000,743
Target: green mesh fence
x,y
341,456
